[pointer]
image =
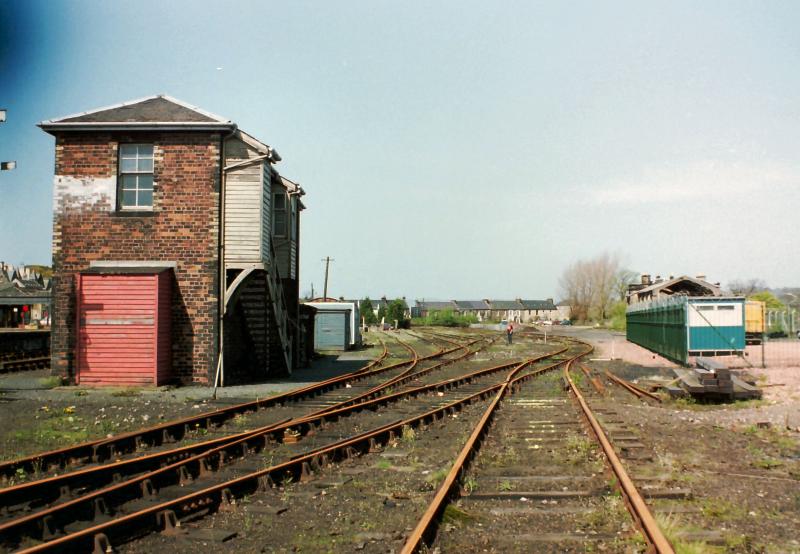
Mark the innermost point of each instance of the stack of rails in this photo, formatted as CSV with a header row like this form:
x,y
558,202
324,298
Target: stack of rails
x,y
712,380
24,361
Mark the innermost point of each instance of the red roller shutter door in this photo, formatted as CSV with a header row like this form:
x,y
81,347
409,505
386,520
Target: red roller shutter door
x,y
122,333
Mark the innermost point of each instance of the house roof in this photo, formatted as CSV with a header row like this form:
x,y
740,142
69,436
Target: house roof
x,y
681,285
538,304
505,305
563,303
471,304
435,305
160,112
12,294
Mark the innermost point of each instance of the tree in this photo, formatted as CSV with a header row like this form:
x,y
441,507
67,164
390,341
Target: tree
x,y
769,299
746,287
625,277
367,311
396,311
381,312
592,286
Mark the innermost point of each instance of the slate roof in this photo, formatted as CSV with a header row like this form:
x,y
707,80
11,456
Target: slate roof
x,y
153,112
435,305
505,305
538,304
12,294
471,304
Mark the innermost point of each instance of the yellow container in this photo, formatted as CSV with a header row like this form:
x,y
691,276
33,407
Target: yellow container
x,y
754,316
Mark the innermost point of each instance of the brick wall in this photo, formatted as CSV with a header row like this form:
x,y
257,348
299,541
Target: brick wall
x,y
182,228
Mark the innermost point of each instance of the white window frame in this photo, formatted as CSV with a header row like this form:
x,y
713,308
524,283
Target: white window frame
x,y
279,200
137,172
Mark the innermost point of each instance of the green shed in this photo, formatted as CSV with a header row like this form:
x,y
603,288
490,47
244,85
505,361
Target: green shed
x,y
679,327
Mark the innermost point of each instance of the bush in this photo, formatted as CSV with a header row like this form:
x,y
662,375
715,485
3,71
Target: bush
x,y
445,318
618,321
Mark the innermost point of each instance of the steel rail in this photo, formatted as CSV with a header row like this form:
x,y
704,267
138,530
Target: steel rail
x,y
630,387
187,467
426,526
634,501
598,386
81,477
53,487
183,451
103,448
168,513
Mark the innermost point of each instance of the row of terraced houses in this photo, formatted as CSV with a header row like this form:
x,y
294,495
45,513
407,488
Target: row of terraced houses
x,y
519,310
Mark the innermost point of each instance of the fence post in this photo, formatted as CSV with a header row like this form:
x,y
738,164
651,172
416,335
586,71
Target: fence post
x,y
763,333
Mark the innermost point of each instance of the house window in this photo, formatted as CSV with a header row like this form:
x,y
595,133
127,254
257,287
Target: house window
x,y
136,176
294,219
279,214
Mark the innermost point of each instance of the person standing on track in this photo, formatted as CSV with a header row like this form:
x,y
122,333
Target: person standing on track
x,y
510,332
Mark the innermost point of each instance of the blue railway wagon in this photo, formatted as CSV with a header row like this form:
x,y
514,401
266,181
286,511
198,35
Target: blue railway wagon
x,y
678,327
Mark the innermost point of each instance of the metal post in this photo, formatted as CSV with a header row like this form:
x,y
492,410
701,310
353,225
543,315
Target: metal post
x,y
763,333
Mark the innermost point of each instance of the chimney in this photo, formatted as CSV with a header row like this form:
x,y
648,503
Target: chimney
x,y
646,279
658,279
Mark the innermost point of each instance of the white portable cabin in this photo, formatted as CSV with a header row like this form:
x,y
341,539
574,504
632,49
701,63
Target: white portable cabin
x,y
355,317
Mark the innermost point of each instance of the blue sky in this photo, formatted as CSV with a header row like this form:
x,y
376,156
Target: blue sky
x,y
453,149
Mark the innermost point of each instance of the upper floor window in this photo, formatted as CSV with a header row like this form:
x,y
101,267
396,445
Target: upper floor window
x,y
293,232
136,176
279,214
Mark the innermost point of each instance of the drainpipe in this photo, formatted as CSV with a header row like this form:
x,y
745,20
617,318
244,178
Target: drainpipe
x,y
219,379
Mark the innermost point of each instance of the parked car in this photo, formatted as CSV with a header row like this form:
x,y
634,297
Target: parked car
x,y
546,322
566,322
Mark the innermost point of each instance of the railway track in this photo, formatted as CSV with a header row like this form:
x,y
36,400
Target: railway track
x,y
220,474
556,498
217,422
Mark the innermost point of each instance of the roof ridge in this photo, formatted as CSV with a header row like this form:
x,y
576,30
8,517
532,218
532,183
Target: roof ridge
x,y
216,118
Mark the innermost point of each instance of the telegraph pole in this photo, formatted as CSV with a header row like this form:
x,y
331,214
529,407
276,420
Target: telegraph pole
x,y
327,261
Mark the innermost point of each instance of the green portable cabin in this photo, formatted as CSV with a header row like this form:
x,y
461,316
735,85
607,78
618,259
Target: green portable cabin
x,y
678,327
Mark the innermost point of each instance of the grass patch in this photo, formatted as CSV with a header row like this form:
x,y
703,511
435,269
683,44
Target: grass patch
x,y
673,526
408,435
578,449
717,508
436,478
612,515
383,464
126,393
49,382
457,517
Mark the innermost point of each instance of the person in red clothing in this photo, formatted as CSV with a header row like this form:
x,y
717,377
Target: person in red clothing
x,y
510,332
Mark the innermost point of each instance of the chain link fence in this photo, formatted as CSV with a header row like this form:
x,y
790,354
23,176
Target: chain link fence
x,y
779,344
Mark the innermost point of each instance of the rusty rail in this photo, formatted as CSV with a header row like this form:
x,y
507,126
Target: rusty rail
x,y
636,504
168,513
426,526
99,450
185,467
630,387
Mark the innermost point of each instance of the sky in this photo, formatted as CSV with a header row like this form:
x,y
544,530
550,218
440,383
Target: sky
x,y
452,149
